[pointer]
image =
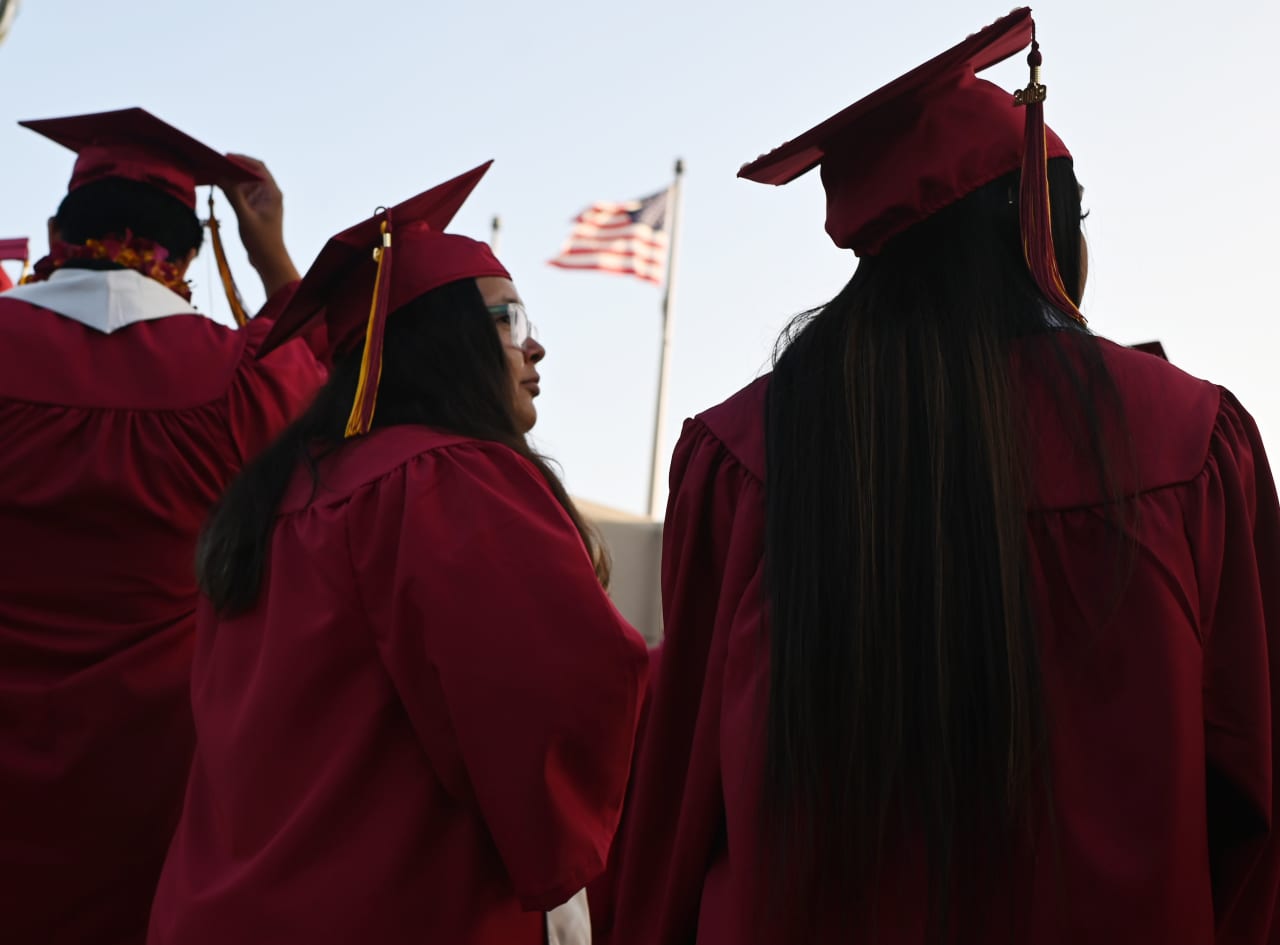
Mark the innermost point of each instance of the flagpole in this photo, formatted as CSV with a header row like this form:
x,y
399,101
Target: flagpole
x,y
495,229
673,218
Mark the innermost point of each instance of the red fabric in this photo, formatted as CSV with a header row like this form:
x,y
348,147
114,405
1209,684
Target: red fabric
x,y
115,446
133,144
18,247
99,163
900,166
5,281
915,145
424,726
424,260
338,288
976,52
1161,718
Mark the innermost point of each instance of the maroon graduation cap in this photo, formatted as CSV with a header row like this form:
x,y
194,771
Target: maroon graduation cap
x,y
925,140
15,248
133,144
352,285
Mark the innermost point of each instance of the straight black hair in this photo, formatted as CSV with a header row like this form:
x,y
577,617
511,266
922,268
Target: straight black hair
x,y
905,696
443,366
115,206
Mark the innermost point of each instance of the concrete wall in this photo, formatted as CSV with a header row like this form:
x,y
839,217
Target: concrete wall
x,y
635,543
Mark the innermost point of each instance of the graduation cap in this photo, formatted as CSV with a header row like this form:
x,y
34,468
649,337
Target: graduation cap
x,y
353,285
927,139
132,144
15,248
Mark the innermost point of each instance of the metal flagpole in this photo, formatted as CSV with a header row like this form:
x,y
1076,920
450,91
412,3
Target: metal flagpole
x,y
495,230
673,230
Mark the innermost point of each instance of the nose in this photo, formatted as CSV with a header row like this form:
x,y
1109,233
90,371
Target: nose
x,y
533,350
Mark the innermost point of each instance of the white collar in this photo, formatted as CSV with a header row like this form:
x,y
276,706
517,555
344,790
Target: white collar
x,y
103,299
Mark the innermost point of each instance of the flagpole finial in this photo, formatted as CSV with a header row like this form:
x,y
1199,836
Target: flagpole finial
x,y
679,166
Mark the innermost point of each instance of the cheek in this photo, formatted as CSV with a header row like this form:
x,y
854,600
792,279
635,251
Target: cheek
x,y
515,363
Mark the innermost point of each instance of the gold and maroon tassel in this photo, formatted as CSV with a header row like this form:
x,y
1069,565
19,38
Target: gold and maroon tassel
x,y
361,419
224,269
1034,210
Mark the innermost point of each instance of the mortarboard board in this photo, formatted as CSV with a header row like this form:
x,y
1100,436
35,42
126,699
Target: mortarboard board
x,y
135,145
927,139
353,285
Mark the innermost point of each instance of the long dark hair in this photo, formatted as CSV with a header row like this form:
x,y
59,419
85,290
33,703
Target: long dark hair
x,y
443,366
905,696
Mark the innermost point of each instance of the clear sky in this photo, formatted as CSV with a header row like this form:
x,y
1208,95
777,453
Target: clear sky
x,y
1169,106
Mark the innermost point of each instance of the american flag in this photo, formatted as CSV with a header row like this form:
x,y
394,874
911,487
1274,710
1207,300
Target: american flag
x,y
628,238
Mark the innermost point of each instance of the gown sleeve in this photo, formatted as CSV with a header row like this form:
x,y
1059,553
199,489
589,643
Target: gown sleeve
x,y
267,395
1236,533
675,809
315,337
521,679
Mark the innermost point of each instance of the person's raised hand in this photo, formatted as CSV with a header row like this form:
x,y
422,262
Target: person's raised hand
x,y
259,209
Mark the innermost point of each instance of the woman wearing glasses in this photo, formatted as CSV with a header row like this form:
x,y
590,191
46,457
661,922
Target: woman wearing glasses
x,y
520,344
415,704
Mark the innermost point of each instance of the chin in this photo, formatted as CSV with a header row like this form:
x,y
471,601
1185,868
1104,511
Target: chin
x,y
526,417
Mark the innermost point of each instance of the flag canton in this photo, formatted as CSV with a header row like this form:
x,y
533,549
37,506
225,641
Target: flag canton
x,y
651,211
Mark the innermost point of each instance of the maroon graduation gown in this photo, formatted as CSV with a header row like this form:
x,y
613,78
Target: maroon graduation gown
x,y
422,730
1161,718
114,447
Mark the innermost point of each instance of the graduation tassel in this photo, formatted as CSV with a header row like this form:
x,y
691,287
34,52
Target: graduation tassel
x,y
224,269
1034,210
361,418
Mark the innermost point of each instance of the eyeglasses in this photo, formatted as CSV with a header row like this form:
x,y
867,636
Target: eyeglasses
x,y
513,315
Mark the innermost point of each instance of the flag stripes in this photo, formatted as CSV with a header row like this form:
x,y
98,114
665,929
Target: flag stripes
x,y
627,238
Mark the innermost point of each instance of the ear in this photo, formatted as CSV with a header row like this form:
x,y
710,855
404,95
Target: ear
x,y
186,260
55,235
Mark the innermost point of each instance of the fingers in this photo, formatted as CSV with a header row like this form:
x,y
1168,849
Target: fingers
x,y
252,163
244,193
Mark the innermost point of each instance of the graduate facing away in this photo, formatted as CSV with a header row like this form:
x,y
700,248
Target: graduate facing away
x,y
972,617
415,703
124,413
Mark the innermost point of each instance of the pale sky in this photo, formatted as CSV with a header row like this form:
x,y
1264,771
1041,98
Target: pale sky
x,y
1169,108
